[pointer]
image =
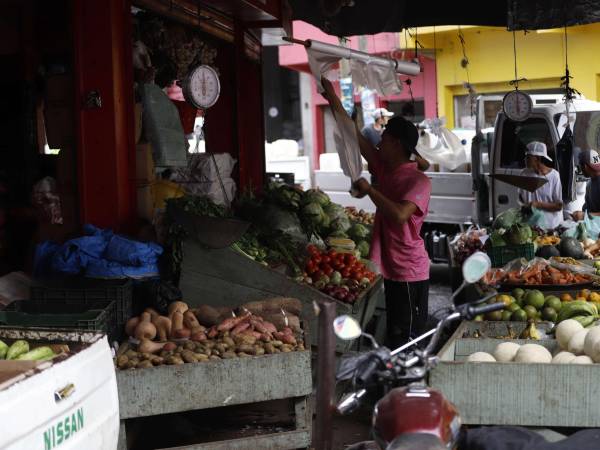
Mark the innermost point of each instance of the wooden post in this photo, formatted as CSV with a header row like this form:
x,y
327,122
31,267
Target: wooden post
x,y
105,124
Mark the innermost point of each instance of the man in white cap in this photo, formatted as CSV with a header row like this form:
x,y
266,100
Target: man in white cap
x,y
589,161
548,197
374,131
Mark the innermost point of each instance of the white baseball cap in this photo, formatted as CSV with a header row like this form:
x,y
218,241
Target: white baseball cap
x,y
536,148
381,112
591,159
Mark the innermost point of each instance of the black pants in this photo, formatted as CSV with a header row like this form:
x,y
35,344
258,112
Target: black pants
x,y
406,306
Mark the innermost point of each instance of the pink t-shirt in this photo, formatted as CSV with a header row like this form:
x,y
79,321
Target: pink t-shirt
x,y
398,249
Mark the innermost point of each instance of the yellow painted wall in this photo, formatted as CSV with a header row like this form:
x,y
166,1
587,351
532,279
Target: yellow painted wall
x,y
540,55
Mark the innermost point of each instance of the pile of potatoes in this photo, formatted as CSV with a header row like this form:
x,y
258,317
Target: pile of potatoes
x,y
182,339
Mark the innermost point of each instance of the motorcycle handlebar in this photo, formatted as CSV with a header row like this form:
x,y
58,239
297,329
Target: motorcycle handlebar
x,y
365,375
473,311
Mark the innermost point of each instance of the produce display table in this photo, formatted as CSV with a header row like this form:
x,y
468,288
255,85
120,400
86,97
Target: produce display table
x,y
224,277
197,386
541,395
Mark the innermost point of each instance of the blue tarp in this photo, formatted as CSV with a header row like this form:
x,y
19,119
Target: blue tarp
x,y
98,254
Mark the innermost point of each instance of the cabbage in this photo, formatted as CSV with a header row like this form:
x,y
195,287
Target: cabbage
x,y
316,196
364,248
507,219
335,211
283,220
358,232
518,234
312,210
340,224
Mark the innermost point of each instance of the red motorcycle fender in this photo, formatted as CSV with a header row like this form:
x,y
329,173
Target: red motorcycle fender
x,y
410,410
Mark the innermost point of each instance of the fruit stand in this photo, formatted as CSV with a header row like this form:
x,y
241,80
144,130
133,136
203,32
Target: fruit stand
x,y
223,276
515,393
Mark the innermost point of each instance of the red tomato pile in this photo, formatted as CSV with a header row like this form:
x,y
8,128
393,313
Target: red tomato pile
x,y
339,275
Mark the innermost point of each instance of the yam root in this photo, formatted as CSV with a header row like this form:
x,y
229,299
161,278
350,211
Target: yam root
x,y
145,329
163,327
177,306
176,324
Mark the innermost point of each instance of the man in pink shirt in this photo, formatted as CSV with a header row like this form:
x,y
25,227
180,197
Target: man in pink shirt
x,y
402,200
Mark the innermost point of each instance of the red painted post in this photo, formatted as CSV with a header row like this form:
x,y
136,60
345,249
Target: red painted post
x,y
105,131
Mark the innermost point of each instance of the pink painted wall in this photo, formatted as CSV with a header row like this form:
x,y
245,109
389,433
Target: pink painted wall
x,y
294,56
424,85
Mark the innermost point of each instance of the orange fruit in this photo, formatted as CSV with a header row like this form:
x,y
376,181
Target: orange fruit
x,y
566,297
584,293
581,299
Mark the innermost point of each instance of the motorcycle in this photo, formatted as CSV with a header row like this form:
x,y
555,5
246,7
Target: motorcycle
x,y
411,415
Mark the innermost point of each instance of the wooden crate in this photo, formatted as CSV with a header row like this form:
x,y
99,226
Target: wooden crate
x,y
224,277
196,386
546,395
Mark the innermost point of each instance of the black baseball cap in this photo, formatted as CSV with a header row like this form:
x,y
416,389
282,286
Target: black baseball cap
x,y
403,130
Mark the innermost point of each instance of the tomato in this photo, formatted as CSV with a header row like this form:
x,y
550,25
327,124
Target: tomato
x,y
356,275
316,259
312,250
350,259
346,273
332,253
311,268
325,259
318,275
337,265
327,270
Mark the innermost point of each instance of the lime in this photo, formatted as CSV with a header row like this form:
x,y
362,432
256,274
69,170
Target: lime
x,y
549,313
519,316
518,293
506,299
552,301
530,311
512,307
535,298
478,318
494,315
506,315
596,264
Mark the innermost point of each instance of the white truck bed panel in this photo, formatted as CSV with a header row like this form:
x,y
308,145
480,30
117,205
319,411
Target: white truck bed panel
x,y
33,418
452,198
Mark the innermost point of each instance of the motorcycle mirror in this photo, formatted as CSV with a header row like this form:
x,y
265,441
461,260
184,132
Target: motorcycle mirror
x,y
475,267
346,328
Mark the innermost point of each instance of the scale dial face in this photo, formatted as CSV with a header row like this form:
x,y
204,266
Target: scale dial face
x,y
517,105
201,88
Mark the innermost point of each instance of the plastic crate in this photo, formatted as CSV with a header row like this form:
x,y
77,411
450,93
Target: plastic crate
x,y
87,291
501,256
99,316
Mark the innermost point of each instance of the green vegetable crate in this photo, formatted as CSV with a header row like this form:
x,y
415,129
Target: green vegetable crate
x,y
97,316
523,394
224,277
504,254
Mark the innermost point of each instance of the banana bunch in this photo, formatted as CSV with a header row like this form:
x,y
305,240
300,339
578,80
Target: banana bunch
x,y
583,312
531,332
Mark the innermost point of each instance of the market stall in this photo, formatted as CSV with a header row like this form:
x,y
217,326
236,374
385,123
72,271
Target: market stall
x,y
201,358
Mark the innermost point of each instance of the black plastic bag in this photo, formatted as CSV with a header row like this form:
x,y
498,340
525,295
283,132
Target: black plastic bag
x,y
155,294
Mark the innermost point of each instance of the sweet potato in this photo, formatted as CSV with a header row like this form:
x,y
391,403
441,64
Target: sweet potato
x,y
240,327
292,305
207,315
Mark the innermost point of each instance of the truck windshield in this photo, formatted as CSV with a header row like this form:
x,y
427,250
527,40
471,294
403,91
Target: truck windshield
x,y
586,131
516,136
